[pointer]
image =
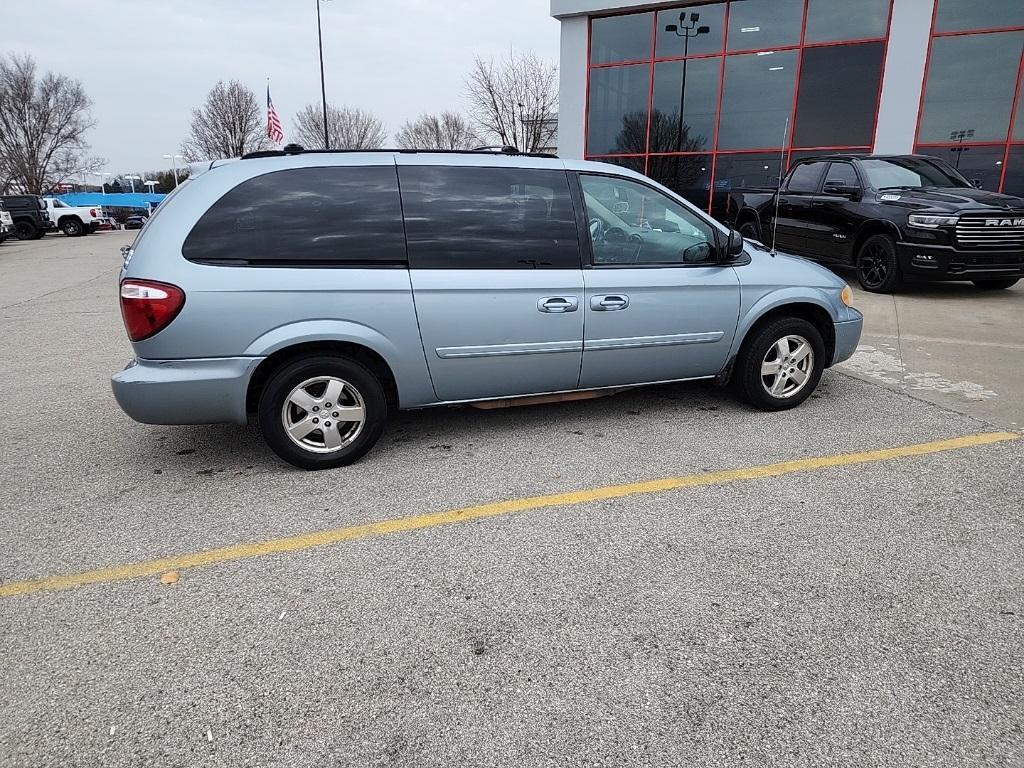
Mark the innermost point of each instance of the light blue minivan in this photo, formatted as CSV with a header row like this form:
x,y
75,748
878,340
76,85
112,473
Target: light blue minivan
x,y
318,290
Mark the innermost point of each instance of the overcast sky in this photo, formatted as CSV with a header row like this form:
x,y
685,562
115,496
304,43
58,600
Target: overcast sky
x,y
147,63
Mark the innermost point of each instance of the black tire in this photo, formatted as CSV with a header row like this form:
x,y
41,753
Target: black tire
x,y
72,227
360,384
878,269
750,230
25,230
761,348
996,285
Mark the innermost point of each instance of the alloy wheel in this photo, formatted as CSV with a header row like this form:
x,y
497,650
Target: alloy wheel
x,y
787,366
323,414
874,266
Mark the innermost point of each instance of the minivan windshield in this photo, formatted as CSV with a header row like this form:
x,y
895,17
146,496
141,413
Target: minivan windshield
x,y
910,173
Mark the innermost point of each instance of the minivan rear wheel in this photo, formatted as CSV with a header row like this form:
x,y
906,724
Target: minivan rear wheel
x,y
322,412
780,365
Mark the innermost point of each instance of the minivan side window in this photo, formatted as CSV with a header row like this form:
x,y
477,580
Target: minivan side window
x,y
334,216
805,177
488,218
631,223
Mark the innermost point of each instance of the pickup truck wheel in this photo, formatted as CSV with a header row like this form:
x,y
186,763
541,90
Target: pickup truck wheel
x,y
878,270
72,228
995,285
25,230
751,231
322,412
780,365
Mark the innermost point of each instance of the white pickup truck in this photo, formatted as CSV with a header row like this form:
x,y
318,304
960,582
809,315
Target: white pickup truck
x,y
73,221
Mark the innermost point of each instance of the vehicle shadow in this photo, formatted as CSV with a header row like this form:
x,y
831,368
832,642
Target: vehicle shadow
x,y
936,290
216,449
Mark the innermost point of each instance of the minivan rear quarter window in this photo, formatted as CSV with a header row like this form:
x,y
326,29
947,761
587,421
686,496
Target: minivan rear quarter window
x,y
330,216
488,218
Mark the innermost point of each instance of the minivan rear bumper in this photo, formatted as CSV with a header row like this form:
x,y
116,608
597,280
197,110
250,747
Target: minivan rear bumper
x,y
204,391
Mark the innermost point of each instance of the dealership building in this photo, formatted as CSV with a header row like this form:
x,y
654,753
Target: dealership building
x,y
707,97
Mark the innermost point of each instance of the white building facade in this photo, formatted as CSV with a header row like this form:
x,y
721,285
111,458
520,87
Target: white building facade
x,y
705,96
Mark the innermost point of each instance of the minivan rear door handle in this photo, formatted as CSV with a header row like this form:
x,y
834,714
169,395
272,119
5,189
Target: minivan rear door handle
x,y
558,304
609,303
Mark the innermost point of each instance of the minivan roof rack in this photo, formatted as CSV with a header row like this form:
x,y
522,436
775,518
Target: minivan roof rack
x,y
298,149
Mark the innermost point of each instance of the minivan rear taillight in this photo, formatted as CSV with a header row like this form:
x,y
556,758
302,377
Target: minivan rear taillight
x,y
148,306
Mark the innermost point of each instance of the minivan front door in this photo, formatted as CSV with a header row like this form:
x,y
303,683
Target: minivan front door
x,y
496,275
658,307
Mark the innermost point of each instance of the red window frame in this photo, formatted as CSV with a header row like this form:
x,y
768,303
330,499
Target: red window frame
x,y
1009,143
713,152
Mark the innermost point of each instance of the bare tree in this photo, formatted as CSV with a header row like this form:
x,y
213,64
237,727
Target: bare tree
x,y
229,124
515,100
43,121
448,130
347,128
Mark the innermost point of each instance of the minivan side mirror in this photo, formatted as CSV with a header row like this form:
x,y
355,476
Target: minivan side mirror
x,y
733,246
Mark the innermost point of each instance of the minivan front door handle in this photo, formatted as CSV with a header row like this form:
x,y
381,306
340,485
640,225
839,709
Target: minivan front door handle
x,y
558,304
609,303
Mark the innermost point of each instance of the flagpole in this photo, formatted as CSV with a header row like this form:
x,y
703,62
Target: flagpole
x,y
323,86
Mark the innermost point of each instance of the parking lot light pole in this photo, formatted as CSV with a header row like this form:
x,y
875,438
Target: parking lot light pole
x,y
959,136
323,85
685,31
174,166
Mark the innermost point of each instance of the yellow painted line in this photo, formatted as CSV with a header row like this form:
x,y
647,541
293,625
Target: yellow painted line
x,y
414,522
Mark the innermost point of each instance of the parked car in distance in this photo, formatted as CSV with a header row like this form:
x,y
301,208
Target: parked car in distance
x,y
134,222
30,216
890,216
73,221
318,290
6,223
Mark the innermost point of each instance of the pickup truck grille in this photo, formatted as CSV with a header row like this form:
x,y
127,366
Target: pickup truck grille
x,y
979,231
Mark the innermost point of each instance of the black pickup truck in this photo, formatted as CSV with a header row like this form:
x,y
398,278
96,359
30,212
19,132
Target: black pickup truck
x,y
31,220
890,216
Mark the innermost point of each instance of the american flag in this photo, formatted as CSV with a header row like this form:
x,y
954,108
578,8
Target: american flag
x,y
273,121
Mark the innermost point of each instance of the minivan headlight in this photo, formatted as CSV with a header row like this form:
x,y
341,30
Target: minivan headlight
x,y
925,221
846,296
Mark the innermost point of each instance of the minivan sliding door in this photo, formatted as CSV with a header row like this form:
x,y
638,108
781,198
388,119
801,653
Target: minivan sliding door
x,y
496,274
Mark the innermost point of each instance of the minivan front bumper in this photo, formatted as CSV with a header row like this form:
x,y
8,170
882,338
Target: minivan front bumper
x,y
847,337
204,391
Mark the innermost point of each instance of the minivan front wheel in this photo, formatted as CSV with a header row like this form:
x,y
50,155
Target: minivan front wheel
x,y
322,412
781,365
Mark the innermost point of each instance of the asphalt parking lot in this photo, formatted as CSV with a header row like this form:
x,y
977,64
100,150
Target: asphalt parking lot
x,y
433,605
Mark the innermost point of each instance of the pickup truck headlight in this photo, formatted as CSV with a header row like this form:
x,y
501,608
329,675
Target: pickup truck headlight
x,y
925,221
